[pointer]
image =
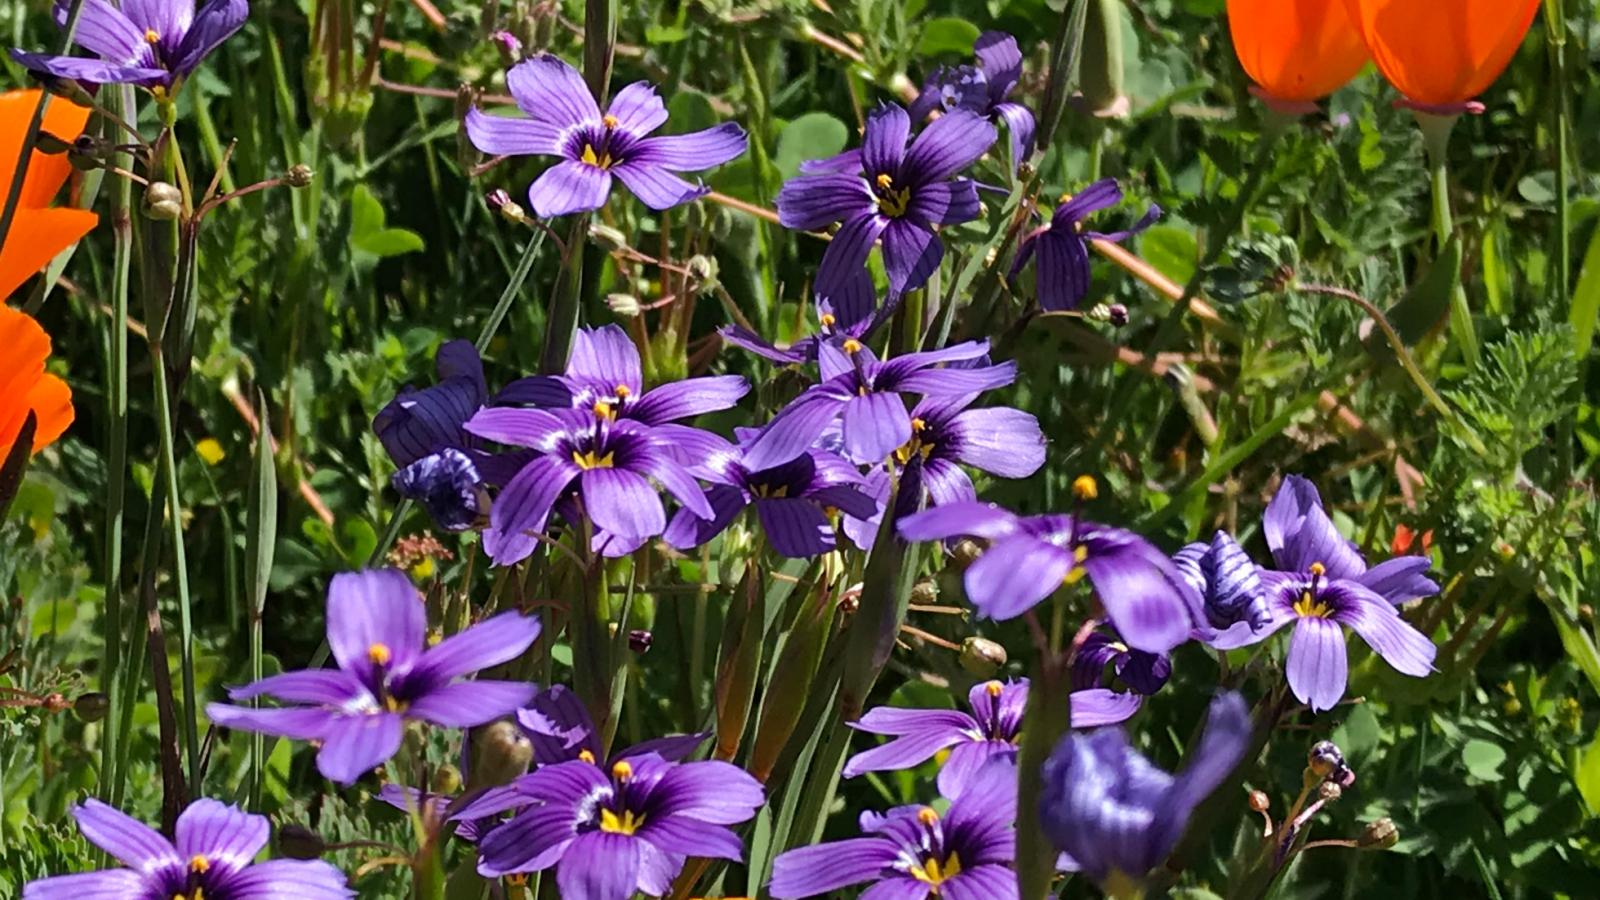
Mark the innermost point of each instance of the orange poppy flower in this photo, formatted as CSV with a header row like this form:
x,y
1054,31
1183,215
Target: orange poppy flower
x,y
26,387
1442,52
1296,51
37,232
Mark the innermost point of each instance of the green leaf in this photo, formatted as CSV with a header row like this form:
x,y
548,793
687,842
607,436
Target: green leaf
x,y
1587,775
1172,250
261,517
366,213
388,242
1482,759
814,135
947,34
1586,299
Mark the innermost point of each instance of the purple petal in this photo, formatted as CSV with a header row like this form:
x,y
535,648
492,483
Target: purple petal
x,y
851,302
1242,634
966,760
690,397
693,152
671,748
945,203
874,426
911,253
469,703
848,161
226,836
999,440
794,430
512,135
810,202
606,355
524,504
1142,592
987,882
89,71
950,382
847,253
1103,194
214,23
688,837
1149,218
537,390
795,527
280,878
904,752
110,33
1095,707
1300,533
689,530
371,609
852,501
818,869
1405,648
900,721
1316,663
883,145
569,187
489,643
983,520
1061,271
657,869
949,144
1014,575
655,186
623,502
508,549
166,18
327,687
125,838
355,745
550,90
533,428
416,424
599,865
638,109
1020,124
534,839
298,723
689,446
711,791
897,887
1001,60
112,884
1400,579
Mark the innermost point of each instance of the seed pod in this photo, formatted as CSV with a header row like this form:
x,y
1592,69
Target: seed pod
x,y
1330,791
1380,834
299,175
624,305
1101,73
91,707
500,752
607,237
162,201
982,657
300,842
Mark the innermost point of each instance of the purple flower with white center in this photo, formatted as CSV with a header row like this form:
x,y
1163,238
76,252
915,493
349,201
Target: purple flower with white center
x,y
912,852
1029,557
793,500
990,731
982,89
623,829
387,674
604,376
151,43
946,434
609,463
213,858
898,194
1114,814
1324,583
563,120
1228,582
1061,274
864,395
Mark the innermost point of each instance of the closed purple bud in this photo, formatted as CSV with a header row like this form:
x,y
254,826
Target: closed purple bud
x,y
510,48
640,640
447,485
1117,314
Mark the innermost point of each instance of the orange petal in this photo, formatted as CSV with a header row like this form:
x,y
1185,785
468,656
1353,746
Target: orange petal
x,y
1297,50
21,367
51,401
46,173
1438,52
37,235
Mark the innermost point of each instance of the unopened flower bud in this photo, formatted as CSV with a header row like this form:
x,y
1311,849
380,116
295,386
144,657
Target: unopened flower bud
x,y
299,175
1330,791
1585,612
607,237
924,592
981,656
51,145
1325,758
446,780
640,639
966,552
497,198
67,89
500,752
624,306
1259,801
56,702
91,707
162,201
510,48
703,269
1380,834
1117,315
300,842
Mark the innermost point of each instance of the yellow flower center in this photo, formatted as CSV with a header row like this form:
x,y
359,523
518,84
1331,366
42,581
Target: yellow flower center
x,y
627,823
885,181
151,36
1076,573
598,160
589,460
894,203
1084,487
933,873
1308,607
609,120
770,492
379,654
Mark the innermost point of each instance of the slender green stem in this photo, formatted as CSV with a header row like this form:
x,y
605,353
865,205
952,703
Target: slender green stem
x,y
169,469
1436,138
561,325
19,172
513,288
1044,721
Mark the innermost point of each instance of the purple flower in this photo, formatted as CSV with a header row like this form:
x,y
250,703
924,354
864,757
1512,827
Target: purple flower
x,y
610,463
1029,557
1228,583
1141,673
626,828
604,376
1324,583
912,852
561,731
152,43
794,500
842,316
945,435
982,89
419,423
895,193
1061,275
387,674
448,485
213,857
864,394
563,120
990,731
1114,814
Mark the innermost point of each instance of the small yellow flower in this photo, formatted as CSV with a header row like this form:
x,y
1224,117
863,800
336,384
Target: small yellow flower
x,y
210,450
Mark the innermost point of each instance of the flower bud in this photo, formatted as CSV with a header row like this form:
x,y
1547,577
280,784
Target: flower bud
x,y
1325,758
509,46
446,780
607,237
50,145
162,201
924,592
982,657
639,640
624,306
300,842
965,552
91,707
1259,801
500,752
1117,315
299,175
703,269
1102,69
67,89
1380,834
1330,791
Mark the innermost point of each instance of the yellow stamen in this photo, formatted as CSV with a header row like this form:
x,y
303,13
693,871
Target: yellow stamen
x,y
770,492
1076,573
918,425
851,345
603,410
885,181
1084,487
895,203
623,391
627,823
199,865
1318,569
379,654
622,770
395,706
151,36
610,121
1308,607
828,320
927,815
586,756
994,688
934,873
588,460
600,160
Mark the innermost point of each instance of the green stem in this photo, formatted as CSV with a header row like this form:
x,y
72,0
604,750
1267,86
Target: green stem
x,y
1043,723
169,469
561,325
590,635
19,172
513,288
1436,138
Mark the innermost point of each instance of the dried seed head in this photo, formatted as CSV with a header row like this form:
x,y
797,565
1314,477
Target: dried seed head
x,y
299,175
624,306
924,592
981,656
1330,791
966,552
1380,834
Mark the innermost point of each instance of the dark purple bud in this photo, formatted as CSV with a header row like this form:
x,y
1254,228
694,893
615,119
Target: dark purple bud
x,y
639,640
1117,314
90,707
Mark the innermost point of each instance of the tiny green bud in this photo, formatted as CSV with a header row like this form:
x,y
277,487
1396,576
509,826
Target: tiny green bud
x,y
981,656
300,842
703,269
162,201
299,175
91,707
